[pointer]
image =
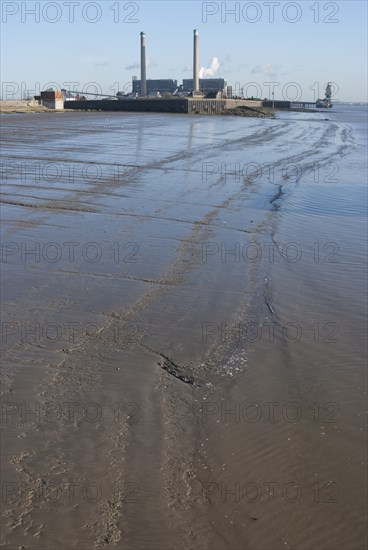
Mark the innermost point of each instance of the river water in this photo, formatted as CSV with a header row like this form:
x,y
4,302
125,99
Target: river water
x,y
232,253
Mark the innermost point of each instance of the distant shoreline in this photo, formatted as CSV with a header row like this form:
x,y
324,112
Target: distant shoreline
x,y
12,107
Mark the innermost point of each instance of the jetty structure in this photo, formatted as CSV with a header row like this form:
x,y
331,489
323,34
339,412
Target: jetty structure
x,y
326,102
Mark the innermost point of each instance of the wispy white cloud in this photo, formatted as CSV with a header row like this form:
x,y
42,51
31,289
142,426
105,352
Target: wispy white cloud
x,y
267,69
132,66
95,60
291,71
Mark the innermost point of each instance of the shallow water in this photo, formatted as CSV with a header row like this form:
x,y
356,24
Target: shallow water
x,y
235,247
292,425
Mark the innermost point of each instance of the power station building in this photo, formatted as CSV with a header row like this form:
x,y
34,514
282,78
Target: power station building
x,y
205,95
164,86
169,86
198,86
206,85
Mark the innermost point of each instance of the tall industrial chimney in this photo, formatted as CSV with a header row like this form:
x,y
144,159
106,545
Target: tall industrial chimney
x,y
143,91
195,62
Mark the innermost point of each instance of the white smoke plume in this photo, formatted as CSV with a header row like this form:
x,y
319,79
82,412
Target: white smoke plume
x,y
211,70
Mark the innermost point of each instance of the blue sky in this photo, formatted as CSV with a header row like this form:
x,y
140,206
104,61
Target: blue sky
x,y
98,42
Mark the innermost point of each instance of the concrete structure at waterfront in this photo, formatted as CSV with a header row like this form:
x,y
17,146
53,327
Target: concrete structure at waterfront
x,y
52,99
191,105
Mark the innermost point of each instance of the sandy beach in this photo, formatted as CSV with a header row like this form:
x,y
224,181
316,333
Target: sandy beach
x,y
183,331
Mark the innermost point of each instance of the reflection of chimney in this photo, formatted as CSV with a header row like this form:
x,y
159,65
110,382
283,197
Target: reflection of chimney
x,y
195,62
143,65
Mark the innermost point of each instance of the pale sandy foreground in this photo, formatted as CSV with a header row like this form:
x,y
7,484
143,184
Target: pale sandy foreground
x,y
183,332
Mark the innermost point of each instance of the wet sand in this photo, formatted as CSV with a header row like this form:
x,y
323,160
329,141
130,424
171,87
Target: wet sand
x,y
183,347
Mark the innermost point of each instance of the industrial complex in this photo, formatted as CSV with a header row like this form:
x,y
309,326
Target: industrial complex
x,y
191,86
193,95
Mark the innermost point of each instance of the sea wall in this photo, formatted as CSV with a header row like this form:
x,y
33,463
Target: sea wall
x,y
177,105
